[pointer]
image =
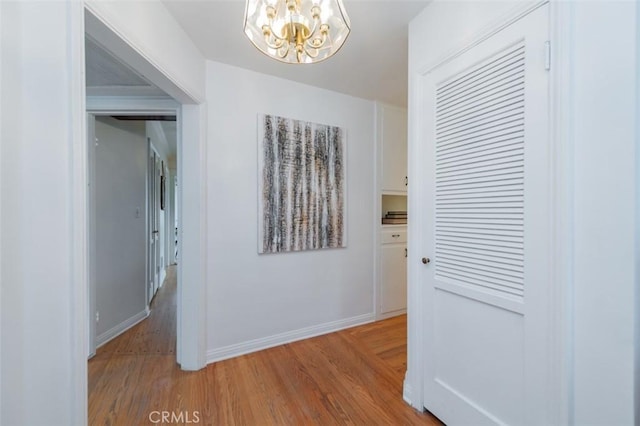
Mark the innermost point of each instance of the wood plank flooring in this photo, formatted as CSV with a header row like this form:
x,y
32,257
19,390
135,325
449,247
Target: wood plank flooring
x,y
351,377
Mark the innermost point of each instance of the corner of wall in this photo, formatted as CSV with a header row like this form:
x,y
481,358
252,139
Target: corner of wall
x,y
2,50
287,337
637,231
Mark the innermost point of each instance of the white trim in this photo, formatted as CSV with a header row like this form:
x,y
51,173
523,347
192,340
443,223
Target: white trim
x,y
562,212
377,206
78,264
637,230
147,227
192,242
391,314
407,392
124,91
118,329
163,275
518,12
91,230
414,377
255,345
131,105
1,280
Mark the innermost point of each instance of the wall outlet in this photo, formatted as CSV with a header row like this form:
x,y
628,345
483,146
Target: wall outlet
x,y
97,316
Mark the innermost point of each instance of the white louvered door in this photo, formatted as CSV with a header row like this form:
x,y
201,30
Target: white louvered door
x,y
486,136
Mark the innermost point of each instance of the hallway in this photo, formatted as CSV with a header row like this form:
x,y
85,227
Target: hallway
x,y
352,376
118,371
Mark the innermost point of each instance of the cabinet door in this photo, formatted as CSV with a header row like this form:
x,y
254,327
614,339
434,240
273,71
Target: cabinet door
x,y
394,149
393,292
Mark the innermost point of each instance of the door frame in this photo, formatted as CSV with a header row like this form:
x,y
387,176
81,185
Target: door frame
x,y
90,19
191,112
559,391
153,216
189,356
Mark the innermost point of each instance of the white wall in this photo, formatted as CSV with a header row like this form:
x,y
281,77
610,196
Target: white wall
x,y
637,232
2,47
256,301
120,179
605,72
443,27
602,124
40,94
43,176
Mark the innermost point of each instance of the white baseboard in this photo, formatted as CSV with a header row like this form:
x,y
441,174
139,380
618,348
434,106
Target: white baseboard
x,y
163,276
255,345
407,391
387,315
125,325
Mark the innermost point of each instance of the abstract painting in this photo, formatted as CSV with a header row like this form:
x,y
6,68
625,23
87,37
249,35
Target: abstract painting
x,y
301,189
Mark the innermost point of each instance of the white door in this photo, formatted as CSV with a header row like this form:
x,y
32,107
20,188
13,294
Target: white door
x,y
157,224
487,233
152,203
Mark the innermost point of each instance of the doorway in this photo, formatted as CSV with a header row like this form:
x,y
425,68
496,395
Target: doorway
x,y
189,111
482,273
130,206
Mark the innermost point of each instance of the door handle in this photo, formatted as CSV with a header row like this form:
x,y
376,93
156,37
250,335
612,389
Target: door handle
x,y
426,260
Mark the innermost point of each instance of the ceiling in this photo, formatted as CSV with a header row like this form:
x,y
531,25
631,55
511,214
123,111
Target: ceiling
x,y
372,64
108,76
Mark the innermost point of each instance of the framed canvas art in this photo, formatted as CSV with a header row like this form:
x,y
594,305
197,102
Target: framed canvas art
x,y
301,185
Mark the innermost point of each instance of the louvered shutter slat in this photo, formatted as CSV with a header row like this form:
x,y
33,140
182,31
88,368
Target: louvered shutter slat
x,y
479,205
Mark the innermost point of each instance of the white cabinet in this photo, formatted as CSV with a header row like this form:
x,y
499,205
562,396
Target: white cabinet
x,y
393,271
391,189
392,139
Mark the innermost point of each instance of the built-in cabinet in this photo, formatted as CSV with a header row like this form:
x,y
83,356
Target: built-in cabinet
x,y
393,270
392,126
391,191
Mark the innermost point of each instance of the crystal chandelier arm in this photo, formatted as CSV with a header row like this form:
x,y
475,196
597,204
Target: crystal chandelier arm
x,y
315,14
267,30
281,39
276,44
324,30
312,53
283,52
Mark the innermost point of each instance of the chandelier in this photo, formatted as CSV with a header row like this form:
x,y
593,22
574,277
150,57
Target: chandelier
x,y
297,31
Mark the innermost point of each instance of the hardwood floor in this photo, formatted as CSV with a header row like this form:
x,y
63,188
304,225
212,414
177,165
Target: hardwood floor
x,y
351,377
